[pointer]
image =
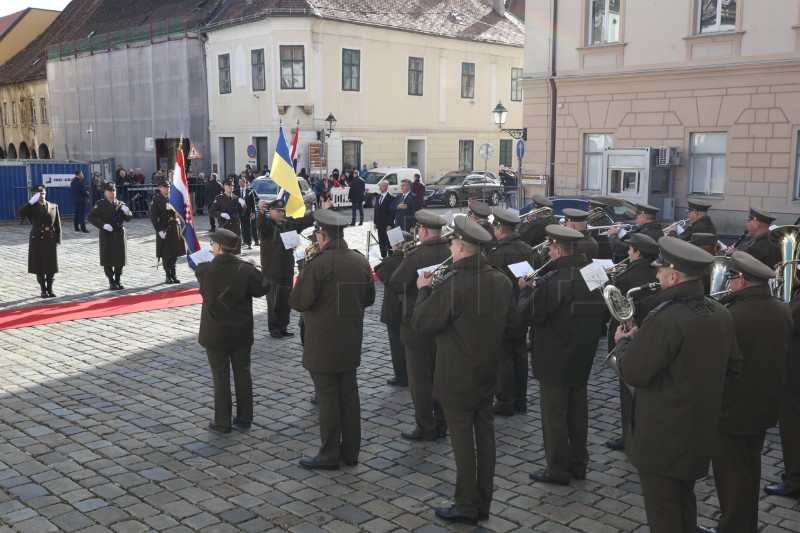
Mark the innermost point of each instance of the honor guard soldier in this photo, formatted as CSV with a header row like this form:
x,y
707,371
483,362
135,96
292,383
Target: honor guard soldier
x,y
45,236
248,220
228,285
759,246
109,215
169,242
332,292
532,232
700,222
391,313
277,263
512,375
646,224
469,311
229,208
678,362
576,219
751,404
566,317
432,250
642,251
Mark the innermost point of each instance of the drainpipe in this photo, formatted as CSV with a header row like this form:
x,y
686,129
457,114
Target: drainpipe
x,y
553,105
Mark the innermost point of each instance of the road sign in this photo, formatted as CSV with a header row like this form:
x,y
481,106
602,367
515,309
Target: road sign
x,y
194,153
486,151
251,152
520,149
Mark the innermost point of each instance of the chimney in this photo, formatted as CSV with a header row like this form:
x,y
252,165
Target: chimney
x,y
500,7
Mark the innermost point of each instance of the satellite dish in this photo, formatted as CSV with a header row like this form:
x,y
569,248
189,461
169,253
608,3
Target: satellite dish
x,y
486,151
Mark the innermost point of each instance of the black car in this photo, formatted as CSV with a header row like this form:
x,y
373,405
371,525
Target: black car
x,y
455,188
267,190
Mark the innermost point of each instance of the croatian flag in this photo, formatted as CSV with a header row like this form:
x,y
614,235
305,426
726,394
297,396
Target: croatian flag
x,y
293,151
181,201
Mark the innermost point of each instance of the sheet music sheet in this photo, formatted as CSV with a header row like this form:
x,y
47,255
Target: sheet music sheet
x,y
395,236
594,275
521,270
202,256
290,239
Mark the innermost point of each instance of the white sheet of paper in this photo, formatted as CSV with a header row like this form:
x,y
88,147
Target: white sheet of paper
x,y
605,263
290,239
299,255
422,270
395,236
594,275
678,229
622,233
375,255
772,227
521,270
202,256
449,216
514,211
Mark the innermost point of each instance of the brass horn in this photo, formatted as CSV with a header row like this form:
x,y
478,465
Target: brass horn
x,y
720,285
785,238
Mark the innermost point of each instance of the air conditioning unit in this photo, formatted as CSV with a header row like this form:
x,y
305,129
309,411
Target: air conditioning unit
x,y
668,157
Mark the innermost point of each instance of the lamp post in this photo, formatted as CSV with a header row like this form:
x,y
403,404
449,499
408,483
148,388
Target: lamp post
x,y
499,114
331,122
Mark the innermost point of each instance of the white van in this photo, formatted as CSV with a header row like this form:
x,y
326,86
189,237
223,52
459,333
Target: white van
x,y
391,175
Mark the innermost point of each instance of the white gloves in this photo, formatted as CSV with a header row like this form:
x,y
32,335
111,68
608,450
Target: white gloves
x,y
162,234
126,210
108,227
34,198
226,216
241,202
169,206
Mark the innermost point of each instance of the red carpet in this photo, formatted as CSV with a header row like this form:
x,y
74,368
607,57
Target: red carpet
x,y
49,314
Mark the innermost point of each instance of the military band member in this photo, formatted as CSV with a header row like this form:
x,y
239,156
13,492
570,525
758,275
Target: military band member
x,y
646,224
169,241
700,222
751,404
469,312
228,285
45,236
566,317
758,223
332,292
512,371
789,422
277,262
432,250
109,215
577,220
642,251
532,232
678,360
709,243
228,208
479,211
391,313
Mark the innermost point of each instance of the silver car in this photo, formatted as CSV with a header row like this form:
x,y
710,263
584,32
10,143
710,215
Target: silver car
x,y
267,189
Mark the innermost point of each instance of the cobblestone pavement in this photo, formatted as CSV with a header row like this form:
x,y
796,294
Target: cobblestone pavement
x,y
103,428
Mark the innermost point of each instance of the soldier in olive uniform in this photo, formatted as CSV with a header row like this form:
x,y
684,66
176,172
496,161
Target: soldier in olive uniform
x,y
109,215
532,232
646,224
45,236
229,208
789,421
759,245
469,310
678,360
700,222
391,313
751,404
421,348
642,251
277,262
709,243
332,292
479,211
512,375
169,241
228,285
566,317
577,220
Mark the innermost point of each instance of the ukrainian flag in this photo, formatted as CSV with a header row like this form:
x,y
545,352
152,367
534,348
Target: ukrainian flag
x,y
282,172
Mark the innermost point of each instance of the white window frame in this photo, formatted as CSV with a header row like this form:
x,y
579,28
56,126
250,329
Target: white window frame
x,y
360,69
458,159
467,77
408,75
586,157
305,66
516,84
43,110
219,74
606,24
253,70
717,26
33,110
711,156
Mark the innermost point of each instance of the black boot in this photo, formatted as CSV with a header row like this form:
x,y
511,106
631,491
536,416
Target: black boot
x,y
112,285
174,276
50,293
168,274
117,276
44,290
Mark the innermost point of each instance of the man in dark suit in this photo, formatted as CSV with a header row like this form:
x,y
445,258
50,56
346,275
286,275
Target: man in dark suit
x,y
356,197
79,196
213,189
383,220
405,207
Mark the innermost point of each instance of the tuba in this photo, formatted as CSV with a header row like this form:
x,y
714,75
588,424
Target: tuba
x,y
720,285
785,238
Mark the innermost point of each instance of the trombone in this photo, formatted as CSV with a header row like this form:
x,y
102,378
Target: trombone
x,y
603,230
675,225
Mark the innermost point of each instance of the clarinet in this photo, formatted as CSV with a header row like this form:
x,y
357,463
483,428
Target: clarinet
x,y
741,238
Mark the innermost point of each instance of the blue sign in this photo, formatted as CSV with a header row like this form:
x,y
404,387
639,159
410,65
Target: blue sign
x,y
251,152
520,149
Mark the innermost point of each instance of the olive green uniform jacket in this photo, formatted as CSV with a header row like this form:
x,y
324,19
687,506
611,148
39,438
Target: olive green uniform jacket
x,y
113,244
391,307
509,251
701,225
763,250
164,219
44,238
533,232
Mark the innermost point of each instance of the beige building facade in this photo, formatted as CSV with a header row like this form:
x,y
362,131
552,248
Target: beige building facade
x,y
400,97
19,29
718,80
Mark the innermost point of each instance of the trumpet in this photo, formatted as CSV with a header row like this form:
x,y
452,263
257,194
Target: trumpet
x,y
603,230
438,273
616,268
675,225
532,275
311,250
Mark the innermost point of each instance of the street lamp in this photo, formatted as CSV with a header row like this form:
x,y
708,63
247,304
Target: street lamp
x,y
331,120
499,113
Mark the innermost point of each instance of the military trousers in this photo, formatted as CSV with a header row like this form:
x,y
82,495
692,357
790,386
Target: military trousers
x,y
278,308
398,352
428,413
625,408
472,438
736,461
565,428
222,362
790,433
113,273
339,416
669,503
512,374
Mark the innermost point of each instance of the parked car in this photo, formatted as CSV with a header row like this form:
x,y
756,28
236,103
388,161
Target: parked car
x,y
267,189
455,188
391,175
